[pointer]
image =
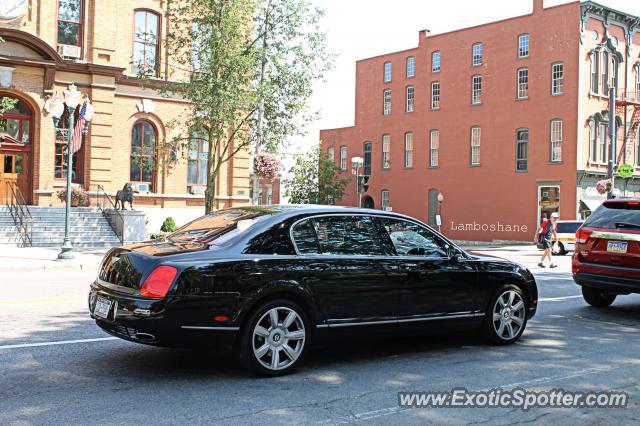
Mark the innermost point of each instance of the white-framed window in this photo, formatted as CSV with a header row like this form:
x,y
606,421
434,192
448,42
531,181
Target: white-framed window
x,y
523,45
522,150
593,141
557,78
411,66
384,197
343,157
595,59
476,54
435,95
408,150
435,61
604,72
556,141
603,132
331,154
434,148
386,102
387,72
523,83
475,146
386,151
613,72
410,99
476,89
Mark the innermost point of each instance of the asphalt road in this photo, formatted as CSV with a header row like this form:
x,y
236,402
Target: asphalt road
x,y
52,371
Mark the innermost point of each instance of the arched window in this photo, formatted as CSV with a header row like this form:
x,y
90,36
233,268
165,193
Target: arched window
x,y
146,38
143,142
198,158
15,123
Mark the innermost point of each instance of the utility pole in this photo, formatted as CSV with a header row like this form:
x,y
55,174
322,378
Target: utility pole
x,y
612,140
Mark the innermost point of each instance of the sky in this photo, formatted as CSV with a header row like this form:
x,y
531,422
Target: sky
x,y
360,29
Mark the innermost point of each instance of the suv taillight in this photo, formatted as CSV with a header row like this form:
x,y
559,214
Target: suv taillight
x,y
158,282
583,235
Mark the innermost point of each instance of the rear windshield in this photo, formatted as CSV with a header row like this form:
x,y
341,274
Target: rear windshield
x,y
568,227
212,226
618,215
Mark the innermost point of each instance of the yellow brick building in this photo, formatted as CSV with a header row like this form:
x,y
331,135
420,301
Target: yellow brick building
x,y
49,44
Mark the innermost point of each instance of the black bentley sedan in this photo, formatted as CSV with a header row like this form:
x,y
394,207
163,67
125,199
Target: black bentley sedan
x,y
268,281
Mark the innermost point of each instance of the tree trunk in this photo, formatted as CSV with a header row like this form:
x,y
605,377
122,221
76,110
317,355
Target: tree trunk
x,y
210,196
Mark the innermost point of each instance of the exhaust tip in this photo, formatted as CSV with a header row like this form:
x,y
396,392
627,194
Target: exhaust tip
x,y
145,336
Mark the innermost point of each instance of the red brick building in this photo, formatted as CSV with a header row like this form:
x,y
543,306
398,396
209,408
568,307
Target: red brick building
x,y
506,120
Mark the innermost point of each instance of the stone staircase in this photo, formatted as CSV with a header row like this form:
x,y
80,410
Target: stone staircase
x,y
89,228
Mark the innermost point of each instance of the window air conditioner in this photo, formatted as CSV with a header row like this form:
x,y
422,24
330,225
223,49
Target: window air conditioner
x,y
197,190
67,51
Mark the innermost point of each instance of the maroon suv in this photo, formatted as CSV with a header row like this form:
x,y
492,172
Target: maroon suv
x,y
606,262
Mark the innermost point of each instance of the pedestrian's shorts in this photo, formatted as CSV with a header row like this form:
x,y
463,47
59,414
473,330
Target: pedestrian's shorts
x,y
546,243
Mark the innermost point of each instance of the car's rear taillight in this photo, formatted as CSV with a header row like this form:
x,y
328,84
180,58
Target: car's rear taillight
x,y
158,282
583,235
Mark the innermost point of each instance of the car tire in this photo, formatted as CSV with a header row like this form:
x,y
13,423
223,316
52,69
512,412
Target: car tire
x,y
506,315
597,298
275,349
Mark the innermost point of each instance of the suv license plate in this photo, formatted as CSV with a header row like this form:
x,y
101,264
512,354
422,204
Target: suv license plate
x,y
103,306
617,247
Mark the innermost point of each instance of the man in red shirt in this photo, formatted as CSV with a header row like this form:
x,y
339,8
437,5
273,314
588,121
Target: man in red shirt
x,y
547,234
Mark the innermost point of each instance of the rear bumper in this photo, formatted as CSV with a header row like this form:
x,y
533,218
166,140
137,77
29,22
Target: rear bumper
x,y
607,282
147,321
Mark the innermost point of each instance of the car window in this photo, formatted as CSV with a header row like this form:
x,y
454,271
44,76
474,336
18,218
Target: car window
x,y
274,240
411,239
347,235
616,215
568,227
305,238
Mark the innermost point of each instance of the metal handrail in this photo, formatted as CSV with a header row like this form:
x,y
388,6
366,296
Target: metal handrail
x,y
105,204
20,213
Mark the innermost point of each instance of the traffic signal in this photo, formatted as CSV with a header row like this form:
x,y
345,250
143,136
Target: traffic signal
x,y
364,184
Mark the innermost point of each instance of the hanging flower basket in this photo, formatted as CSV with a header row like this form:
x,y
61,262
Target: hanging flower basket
x,y
267,166
604,186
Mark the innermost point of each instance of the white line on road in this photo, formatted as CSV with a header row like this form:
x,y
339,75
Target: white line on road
x,y
559,299
61,342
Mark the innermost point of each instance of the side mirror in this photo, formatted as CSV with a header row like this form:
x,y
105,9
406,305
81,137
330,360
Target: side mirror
x,y
453,252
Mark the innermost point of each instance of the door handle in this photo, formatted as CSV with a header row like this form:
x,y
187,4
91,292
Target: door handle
x,y
319,266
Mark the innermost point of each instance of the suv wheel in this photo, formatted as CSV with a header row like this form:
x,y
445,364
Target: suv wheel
x,y
275,338
506,316
597,298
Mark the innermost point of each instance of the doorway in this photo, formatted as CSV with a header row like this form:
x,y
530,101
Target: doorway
x,y
14,170
548,201
368,203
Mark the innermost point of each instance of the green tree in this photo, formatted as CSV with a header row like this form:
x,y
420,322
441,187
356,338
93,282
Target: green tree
x,y
315,180
247,67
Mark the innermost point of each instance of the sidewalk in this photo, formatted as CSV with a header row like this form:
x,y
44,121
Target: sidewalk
x,y
39,259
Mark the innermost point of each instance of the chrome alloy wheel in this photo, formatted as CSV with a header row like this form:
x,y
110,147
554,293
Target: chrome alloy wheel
x,y
278,338
508,315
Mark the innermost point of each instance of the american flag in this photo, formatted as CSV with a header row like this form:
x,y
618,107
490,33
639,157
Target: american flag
x,y
76,140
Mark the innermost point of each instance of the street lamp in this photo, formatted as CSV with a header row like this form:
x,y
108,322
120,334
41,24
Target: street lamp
x,y
356,163
72,98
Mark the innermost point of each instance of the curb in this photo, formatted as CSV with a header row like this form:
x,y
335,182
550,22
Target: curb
x,y
77,267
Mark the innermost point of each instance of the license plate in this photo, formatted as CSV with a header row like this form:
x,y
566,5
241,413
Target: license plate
x,y
617,247
103,306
